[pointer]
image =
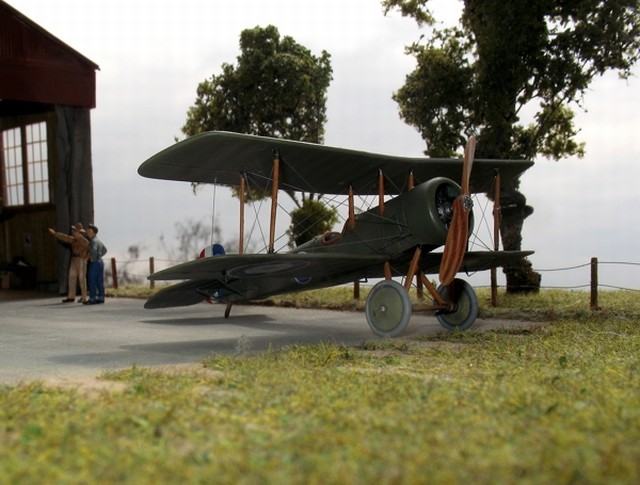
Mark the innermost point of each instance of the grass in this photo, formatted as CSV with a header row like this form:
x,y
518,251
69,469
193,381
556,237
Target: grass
x,y
557,402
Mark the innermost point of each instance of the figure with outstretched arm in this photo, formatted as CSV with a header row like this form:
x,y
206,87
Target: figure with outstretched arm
x,y
79,244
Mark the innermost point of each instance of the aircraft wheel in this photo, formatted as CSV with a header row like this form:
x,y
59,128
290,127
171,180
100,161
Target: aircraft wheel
x,y
388,309
466,309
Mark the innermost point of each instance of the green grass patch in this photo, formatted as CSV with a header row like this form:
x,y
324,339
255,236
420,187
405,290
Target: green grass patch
x,y
552,403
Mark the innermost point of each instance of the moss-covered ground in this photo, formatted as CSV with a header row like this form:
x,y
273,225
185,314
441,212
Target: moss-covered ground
x,y
557,402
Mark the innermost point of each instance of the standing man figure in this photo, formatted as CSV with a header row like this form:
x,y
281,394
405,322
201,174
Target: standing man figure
x,y
95,270
78,266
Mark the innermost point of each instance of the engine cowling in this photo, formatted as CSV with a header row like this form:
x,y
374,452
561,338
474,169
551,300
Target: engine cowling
x,y
427,210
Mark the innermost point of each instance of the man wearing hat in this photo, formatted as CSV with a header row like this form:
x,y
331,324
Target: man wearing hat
x,y
95,270
78,265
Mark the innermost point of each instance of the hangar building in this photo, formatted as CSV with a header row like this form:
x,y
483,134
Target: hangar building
x,y
47,90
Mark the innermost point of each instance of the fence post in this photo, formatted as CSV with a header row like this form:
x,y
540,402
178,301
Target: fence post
x,y
152,283
594,283
356,290
114,273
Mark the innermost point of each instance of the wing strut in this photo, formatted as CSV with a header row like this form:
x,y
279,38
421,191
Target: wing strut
x,y
227,310
411,184
412,180
381,191
242,189
496,237
352,210
274,199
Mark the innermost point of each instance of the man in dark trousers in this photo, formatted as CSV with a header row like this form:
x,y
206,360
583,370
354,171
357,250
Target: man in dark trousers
x,y
95,269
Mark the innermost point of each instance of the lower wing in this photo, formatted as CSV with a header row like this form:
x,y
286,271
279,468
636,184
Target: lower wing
x,y
244,277
475,260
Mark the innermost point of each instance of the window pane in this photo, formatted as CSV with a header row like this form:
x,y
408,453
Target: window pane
x,y
12,156
29,141
37,163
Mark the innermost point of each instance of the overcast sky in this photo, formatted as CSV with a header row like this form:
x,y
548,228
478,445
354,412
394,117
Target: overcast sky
x,y
153,53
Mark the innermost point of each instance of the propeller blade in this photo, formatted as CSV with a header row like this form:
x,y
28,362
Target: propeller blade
x,y
456,243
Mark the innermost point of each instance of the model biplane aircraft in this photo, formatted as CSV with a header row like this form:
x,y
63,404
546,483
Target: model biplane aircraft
x,y
429,209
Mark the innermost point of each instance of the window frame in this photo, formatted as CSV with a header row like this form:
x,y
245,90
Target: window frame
x,y
36,192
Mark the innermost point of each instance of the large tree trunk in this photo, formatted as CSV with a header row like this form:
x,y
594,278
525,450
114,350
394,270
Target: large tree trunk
x,y
503,46
514,210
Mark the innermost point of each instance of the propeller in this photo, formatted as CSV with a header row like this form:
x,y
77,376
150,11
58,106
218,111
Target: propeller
x,y
456,243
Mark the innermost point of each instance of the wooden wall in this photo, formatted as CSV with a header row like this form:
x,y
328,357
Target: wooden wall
x,y
24,229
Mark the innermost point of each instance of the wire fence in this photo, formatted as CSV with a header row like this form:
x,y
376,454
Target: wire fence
x,y
595,280
135,272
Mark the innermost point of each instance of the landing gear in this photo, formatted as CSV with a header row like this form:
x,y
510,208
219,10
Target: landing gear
x,y
388,309
465,308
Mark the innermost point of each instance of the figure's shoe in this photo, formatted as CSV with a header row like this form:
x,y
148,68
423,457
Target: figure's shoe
x,y
90,302
67,300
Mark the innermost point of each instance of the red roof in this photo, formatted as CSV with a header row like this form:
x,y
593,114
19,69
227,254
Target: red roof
x,y
35,66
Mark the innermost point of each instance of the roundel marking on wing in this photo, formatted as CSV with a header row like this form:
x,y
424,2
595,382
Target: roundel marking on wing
x,y
267,269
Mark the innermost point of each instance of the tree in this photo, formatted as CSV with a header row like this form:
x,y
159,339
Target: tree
x,y
278,88
191,236
477,77
313,218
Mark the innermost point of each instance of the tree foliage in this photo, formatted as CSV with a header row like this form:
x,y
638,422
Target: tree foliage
x,y
277,88
312,218
502,58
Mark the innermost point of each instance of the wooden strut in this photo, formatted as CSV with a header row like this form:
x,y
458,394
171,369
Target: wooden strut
x,y
387,265
274,200
352,210
440,303
241,236
419,287
351,224
415,271
381,192
227,310
496,236
413,268
387,270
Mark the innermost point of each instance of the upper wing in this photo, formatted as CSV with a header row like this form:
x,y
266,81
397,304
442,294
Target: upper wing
x,y
222,157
